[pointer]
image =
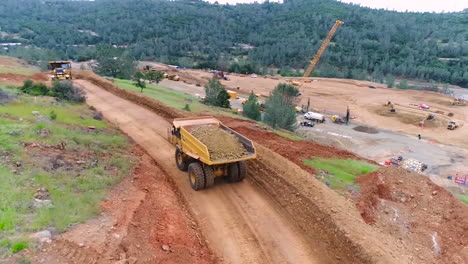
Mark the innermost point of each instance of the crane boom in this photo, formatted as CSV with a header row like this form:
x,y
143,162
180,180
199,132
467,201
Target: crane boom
x,y
322,49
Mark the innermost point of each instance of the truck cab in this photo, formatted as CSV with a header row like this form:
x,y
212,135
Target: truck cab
x,y
60,70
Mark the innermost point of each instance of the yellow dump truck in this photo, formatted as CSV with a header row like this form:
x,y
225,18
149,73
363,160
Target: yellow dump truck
x,y
193,156
60,70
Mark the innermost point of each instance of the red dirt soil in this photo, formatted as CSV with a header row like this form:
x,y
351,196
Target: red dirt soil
x,y
143,220
19,78
417,211
295,151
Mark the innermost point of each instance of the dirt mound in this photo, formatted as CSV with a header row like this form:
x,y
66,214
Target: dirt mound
x,y
421,214
221,144
19,78
365,129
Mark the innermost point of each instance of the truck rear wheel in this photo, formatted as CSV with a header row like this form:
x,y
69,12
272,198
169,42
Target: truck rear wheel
x,y
236,171
181,161
209,176
242,170
196,176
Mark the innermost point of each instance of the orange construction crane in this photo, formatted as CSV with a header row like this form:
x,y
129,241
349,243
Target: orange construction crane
x,y
322,49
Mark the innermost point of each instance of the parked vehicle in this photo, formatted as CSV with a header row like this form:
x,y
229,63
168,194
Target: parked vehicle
x,y
316,117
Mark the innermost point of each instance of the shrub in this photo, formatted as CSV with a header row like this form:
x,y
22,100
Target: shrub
x,y
67,91
187,108
36,89
53,115
17,247
251,108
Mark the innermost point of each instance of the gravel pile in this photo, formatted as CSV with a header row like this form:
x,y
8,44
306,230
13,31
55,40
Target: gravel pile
x,y
221,144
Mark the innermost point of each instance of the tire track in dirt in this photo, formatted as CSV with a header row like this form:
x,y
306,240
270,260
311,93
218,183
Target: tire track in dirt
x,y
240,222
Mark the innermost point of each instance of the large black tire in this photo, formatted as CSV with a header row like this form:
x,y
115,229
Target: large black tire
x,y
196,176
233,172
209,176
242,170
181,161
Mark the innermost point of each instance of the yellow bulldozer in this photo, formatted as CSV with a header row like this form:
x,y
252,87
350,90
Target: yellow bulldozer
x,y
173,77
60,70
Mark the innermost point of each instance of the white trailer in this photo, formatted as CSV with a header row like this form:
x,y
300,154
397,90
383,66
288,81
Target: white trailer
x,y
316,117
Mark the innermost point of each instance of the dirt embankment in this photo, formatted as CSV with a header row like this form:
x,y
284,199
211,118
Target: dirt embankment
x,y
18,79
151,104
313,208
143,220
421,214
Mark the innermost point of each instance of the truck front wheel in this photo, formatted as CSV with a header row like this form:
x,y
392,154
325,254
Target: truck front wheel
x,y
196,176
181,161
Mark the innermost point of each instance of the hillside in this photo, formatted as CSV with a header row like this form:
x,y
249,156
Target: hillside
x,y
250,37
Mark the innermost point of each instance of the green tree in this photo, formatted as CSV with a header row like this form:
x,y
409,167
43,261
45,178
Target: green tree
x,y
114,62
222,100
251,108
216,95
154,76
280,110
403,84
139,81
390,80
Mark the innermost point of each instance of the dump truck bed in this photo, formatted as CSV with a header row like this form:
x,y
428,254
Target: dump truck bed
x,y
192,146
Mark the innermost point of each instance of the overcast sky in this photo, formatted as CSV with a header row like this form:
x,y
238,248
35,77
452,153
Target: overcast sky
x,y
399,5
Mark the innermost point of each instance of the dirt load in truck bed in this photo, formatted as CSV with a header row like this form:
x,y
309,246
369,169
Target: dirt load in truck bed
x,y
221,144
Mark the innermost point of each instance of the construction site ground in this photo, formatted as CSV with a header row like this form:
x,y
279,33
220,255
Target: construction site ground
x,y
251,210
382,145
334,95
445,152
279,214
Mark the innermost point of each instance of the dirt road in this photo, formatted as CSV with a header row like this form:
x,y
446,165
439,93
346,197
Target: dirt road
x,y
241,223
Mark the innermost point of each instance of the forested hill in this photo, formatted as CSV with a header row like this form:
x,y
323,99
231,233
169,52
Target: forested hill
x,y
371,43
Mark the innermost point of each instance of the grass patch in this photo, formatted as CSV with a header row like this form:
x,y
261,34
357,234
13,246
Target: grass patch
x,y
18,70
75,114
167,96
462,197
175,99
287,135
342,172
75,189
